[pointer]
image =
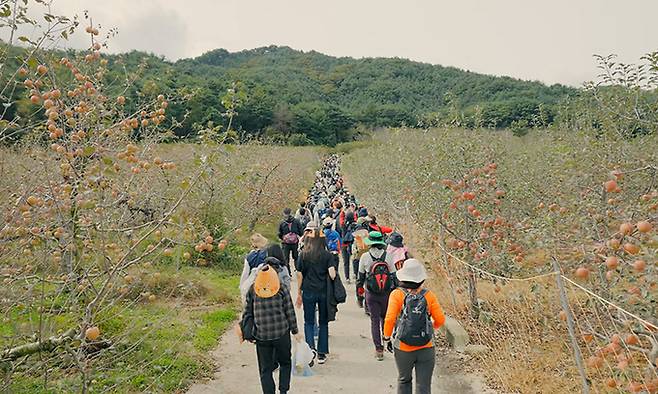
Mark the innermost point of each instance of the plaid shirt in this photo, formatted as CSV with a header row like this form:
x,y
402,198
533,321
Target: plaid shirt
x,y
274,317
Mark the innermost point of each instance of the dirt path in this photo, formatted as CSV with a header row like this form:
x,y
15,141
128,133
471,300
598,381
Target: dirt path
x,y
351,367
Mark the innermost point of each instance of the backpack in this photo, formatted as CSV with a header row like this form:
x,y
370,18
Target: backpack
x,y
414,326
349,218
291,237
304,220
380,279
348,232
332,239
322,212
256,258
359,238
248,325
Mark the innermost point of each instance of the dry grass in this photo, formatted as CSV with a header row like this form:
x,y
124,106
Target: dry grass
x,y
530,346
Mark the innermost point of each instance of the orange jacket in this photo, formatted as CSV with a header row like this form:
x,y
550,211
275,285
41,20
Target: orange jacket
x,y
395,301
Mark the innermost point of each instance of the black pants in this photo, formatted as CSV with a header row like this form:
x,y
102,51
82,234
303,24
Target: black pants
x,y
346,252
287,248
422,361
271,353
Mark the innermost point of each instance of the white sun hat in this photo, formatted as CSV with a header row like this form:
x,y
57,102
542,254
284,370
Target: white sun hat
x,y
412,271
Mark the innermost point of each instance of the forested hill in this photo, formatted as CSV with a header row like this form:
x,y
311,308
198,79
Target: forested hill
x,y
298,97
306,86
356,83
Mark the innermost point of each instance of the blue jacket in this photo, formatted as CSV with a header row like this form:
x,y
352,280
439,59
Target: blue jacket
x,y
333,239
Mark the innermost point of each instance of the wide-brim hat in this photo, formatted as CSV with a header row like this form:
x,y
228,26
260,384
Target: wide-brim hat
x,y
310,226
375,238
412,271
328,222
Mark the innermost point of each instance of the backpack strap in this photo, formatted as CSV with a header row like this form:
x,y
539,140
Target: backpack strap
x,y
382,258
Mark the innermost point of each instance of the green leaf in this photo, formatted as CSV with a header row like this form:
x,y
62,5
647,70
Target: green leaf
x,y
88,151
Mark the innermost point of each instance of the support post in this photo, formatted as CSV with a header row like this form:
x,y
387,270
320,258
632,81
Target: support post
x,y
570,327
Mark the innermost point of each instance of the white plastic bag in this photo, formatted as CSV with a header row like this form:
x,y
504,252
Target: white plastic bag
x,y
302,358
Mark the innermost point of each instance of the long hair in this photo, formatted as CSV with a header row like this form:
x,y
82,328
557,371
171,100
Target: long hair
x,y
274,250
315,246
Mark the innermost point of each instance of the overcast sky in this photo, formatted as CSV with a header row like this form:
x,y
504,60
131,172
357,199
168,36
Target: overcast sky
x,y
547,40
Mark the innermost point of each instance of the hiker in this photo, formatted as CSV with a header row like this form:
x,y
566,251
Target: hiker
x,y
377,277
254,259
348,226
269,306
396,251
289,232
413,346
310,227
314,266
320,210
299,213
376,227
332,237
275,259
304,216
362,212
360,235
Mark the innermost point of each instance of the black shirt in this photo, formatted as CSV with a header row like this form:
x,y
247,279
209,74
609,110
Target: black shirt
x,y
315,273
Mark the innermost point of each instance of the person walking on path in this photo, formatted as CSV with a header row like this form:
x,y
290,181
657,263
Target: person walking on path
x,y
410,308
348,226
372,220
377,276
290,230
360,235
275,259
396,251
314,266
252,260
269,306
304,217
332,237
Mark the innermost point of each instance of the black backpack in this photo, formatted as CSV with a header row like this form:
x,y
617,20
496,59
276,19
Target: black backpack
x,y
247,323
414,326
348,232
380,279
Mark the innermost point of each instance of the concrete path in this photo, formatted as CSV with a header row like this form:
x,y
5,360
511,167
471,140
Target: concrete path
x,y
350,368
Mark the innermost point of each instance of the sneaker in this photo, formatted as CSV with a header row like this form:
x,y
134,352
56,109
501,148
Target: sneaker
x,y
315,356
322,358
379,355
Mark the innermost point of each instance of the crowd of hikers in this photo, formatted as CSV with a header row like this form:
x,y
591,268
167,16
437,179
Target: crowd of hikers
x,y
330,228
